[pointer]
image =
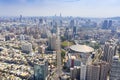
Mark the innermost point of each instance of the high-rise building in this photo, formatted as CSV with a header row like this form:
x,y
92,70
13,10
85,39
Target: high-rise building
x,y
93,72
74,31
83,72
52,42
41,70
115,69
104,68
105,24
97,71
110,24
109,51
41,21
20,19
72,73
68,33
75,73
26,47
72,23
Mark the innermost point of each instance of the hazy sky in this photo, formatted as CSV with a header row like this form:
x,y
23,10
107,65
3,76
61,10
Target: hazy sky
x,y
82,8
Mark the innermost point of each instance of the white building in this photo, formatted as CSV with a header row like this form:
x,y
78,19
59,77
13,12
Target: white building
x,y
22,37
83,72
26,47
52,42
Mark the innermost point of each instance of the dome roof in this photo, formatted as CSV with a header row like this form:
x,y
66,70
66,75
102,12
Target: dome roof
x,y
81,48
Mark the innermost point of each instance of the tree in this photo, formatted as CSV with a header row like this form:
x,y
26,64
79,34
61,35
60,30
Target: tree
x,y
62,55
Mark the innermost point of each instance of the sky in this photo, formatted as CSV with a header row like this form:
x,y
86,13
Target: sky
x,y
81,8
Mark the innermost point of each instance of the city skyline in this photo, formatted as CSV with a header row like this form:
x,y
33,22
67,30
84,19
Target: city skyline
x,y
81,8
54,47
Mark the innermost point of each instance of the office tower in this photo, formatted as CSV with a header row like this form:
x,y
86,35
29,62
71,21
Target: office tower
x,y
72,23
83,72
104,68
105,24
109,51
74,28
97,71
75,73
72,73
52,42
74,31
20,19
78,72
41,21
41,70
93,72
61,22
110,24
26,47
115,69
54,27
68,33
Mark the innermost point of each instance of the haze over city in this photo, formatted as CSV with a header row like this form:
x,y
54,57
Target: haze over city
x,y
59,40
81,8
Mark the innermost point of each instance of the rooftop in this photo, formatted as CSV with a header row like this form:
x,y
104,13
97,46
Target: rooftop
x,y
81,48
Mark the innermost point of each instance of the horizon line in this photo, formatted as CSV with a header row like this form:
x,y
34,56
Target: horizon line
x,y
62,16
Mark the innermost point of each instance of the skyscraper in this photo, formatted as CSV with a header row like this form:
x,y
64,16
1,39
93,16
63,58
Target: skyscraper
x,y
110,24
52,42
41,70
72,23
83,72
109,51
105,24
115,69
20,19
93,72
97,71
74,31
75,73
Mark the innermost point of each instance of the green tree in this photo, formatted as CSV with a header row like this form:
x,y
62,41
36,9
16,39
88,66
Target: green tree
x,y
62,55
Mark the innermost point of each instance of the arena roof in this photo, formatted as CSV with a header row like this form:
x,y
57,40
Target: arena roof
x,y
81,48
